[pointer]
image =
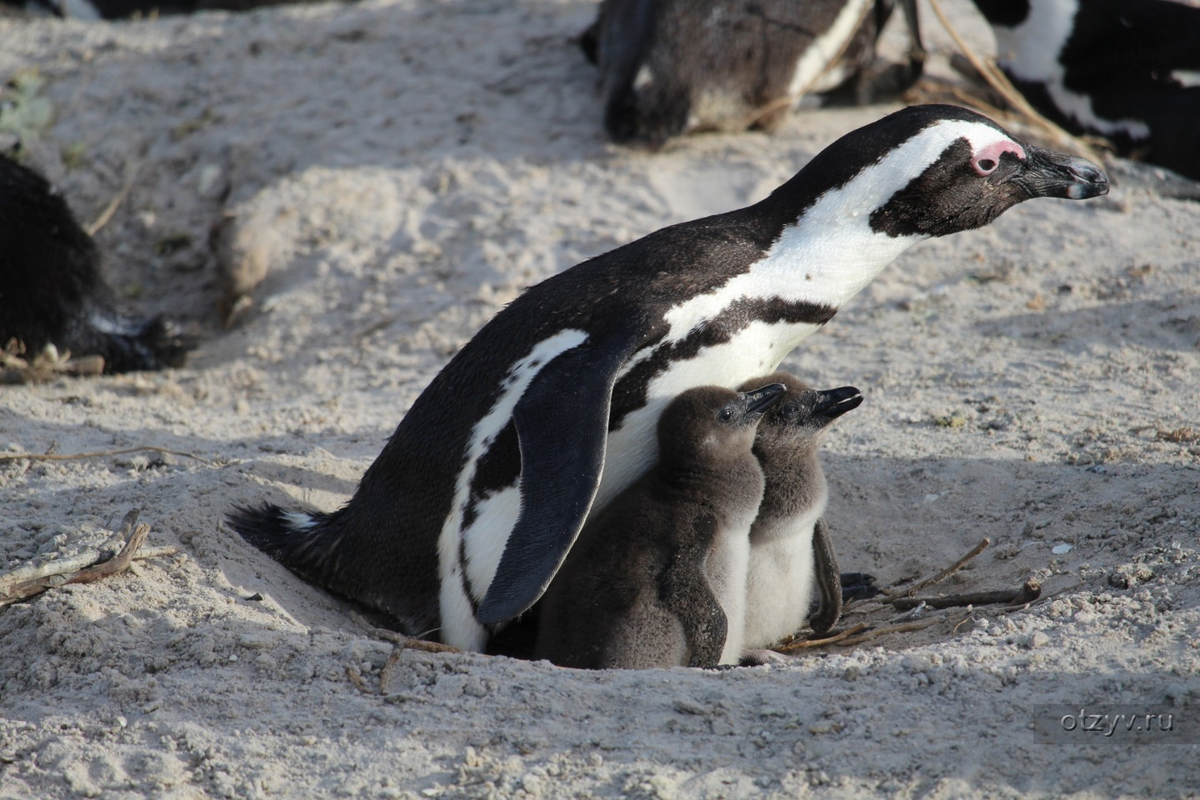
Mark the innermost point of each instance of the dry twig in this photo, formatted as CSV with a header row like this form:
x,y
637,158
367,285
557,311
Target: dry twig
x,y
903,627
1028,592
385,674
941,576
1019,605
131,170
98,454
802,644
17,367
402,641
86,567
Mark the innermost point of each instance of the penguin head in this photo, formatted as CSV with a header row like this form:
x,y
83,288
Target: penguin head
x,y
796,422
814,409
932,170
712,424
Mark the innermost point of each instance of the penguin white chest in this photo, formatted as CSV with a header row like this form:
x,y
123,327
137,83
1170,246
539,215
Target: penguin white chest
x,y
726,570
779,583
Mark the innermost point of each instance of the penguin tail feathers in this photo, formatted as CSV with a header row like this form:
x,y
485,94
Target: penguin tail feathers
x,y
286,536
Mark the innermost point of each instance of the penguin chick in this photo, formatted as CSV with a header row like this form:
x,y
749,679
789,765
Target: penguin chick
x,y
52,290
657,579
790,550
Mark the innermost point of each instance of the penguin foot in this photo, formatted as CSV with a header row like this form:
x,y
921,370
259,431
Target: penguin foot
x,y
762,658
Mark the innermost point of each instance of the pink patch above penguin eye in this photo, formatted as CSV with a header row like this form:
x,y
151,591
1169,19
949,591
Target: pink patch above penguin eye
x,y
986,160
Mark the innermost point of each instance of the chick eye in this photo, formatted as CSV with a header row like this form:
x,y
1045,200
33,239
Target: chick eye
x,y
985,166
725,414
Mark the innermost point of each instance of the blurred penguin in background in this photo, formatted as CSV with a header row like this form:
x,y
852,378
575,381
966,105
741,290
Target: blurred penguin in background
x,y
52,291
669,67
1127,70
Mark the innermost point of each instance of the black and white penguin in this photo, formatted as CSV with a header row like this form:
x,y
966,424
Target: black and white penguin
x,y
658,577
551,409
672,66
1127,70
52,290
790,550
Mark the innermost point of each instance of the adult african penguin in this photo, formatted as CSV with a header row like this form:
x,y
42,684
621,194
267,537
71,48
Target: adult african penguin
x,y
52,290
790,550
668,67
1127,70
550,410
658,577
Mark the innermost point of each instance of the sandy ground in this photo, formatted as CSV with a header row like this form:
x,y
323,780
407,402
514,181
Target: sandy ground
x,y
402,169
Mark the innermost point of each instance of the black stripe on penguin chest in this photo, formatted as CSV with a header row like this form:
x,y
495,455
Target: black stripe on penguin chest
x,y
632,390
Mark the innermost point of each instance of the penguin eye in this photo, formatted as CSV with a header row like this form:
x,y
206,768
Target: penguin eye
x,y
985,166
725,414
986,160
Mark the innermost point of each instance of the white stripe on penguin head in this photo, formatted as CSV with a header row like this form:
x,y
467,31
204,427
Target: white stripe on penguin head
x,y
831,253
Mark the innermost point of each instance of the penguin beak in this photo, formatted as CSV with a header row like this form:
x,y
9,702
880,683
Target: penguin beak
x,y
833,403
759,400
1050,174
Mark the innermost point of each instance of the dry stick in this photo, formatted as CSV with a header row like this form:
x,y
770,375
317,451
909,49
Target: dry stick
x,y
86,567
1028,592
373,327
385,674
1018,606
118,564
901,628
805,643
97,454
40,367
941,576
1000,82
131,169
400,639
15,582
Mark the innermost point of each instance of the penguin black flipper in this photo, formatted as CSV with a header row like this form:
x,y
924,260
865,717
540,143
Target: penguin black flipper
x,y
559,473
829,581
